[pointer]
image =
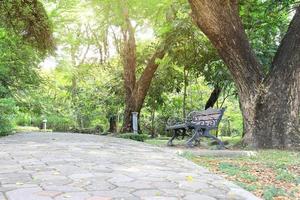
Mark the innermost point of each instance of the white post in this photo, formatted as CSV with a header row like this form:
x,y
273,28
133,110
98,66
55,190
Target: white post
x,y
44,124
135,122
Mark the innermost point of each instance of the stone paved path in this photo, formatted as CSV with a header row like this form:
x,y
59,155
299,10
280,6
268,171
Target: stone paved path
x,y
60,166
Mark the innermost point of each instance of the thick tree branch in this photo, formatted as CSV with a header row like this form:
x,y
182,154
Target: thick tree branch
x,y
214,96
287,57
144,82
220,21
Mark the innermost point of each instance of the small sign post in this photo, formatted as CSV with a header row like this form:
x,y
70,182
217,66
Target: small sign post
x,y
135,122
45,124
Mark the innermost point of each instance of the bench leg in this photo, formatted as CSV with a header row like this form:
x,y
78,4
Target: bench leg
x,y
175,135
194,138
207,134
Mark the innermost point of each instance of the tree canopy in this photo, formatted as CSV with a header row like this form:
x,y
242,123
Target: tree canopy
x,y
89,64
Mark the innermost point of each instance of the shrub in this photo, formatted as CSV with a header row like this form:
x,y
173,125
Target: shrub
x,y
97,130
8,111
23,119
132,136
59,123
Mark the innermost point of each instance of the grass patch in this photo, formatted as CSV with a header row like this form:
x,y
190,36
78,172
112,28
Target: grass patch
x,y
246,186
133,136
162,141
285,175
157,142
188,155
27,129
271,192
229,168
271,174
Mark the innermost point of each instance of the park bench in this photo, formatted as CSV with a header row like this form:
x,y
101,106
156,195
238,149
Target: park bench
x,y
200,123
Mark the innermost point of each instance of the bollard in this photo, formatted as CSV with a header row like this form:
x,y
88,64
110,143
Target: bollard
x,y
135,122
44,124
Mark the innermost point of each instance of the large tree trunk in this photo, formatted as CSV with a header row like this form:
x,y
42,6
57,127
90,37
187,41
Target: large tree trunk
x,y
270,105
138,95
278,106
135,91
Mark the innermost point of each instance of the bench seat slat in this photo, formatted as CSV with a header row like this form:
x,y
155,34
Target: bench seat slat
x,y
176,126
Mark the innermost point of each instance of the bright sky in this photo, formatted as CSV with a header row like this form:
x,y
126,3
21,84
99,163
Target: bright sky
x,y
143,34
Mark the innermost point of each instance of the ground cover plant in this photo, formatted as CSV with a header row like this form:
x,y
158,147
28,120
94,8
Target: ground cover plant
x,y
271,174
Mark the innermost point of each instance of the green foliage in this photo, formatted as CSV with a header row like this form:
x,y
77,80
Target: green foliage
x,y
23,119
285,175
157,142
132,136
256,173
278,159
229,169
18,73
188,155
248,176
59,123
246,186
86,87
18,64
29,20
8,110
270,192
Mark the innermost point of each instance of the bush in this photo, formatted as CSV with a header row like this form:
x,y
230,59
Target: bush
x,y
8,111
59,123
97,130
23,119
55,122
132,136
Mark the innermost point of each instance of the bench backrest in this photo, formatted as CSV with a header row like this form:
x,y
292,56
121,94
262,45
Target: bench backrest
x,y
209,118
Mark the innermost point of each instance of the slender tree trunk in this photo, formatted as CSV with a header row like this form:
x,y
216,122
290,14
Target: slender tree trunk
x,y
112,124
270,105
128,54
152,123
185,77
214,96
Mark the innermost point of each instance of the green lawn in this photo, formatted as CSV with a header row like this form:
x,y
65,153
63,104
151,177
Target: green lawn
x,y
271,174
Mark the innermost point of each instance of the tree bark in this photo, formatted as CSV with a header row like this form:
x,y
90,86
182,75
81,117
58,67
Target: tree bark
x,y
214,96
141,87
112,124
153,123
135,90
185,82
270,105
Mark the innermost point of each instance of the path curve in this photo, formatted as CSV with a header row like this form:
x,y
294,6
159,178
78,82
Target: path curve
x,y
65,166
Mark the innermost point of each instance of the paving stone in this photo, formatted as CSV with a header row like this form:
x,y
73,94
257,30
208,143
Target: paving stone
x,y
238,193
100,186
27,193
148,193
99,198
159,198
49,193
62,188
165,184
81,176
2,196
198,196
73,196
62,166
118,178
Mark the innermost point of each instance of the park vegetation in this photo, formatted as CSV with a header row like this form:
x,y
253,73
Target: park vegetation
x,y
85,66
